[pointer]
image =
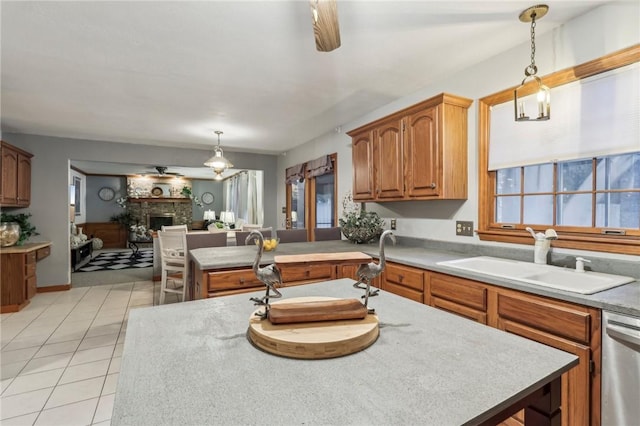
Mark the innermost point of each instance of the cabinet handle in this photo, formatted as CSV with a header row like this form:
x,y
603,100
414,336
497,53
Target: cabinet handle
x,y
433,185
400,278
241,280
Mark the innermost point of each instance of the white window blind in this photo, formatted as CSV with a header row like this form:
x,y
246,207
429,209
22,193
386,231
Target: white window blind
x,y
592,117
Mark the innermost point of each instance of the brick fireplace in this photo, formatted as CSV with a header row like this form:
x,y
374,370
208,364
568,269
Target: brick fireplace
x,y
155,212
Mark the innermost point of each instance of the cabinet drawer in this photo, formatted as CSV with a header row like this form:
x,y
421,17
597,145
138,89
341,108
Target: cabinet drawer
x,y
404,292
559,318
30,270
460,291
30,257
404,276
306,273
43,252
228,280
455,308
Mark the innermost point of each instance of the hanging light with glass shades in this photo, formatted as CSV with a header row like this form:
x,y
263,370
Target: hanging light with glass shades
x,y
542,96
218,163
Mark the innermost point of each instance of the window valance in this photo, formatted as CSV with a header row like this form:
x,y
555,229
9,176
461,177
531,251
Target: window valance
x,y
320,166
595,116
294,173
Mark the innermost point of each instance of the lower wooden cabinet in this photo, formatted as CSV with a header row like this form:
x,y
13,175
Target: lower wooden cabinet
x,y
112,234
19,282
458,296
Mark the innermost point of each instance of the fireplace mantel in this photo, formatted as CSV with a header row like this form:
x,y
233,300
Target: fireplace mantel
x,y
160,200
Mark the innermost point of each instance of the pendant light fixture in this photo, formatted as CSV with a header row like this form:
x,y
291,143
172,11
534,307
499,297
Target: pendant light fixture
x,y
218,163
542,97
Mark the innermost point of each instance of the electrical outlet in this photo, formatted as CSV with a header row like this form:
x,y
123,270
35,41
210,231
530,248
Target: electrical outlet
x,y
464,228
393,224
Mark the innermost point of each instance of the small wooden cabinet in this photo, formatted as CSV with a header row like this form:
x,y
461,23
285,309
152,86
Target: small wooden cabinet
x,y
19,282
112,234
16,177
81,255
418,153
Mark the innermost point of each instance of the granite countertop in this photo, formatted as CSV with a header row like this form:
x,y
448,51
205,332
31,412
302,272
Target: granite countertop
x,y
191,363
25,248
624,299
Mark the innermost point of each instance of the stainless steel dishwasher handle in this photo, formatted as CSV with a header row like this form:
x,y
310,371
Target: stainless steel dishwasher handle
x,y
625,334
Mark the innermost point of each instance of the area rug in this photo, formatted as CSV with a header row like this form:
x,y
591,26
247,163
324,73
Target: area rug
x,y
117,260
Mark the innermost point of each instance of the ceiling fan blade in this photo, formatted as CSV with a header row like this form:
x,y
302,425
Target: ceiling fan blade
x,y
325,24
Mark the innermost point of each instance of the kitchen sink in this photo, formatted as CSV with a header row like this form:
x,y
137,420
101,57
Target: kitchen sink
x,y
545,275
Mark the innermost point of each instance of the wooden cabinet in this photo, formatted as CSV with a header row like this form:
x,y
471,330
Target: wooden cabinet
x,y
566,326
404,281
16,177
112,234
19,282
81,255
418,153
362,153
456,295
294,275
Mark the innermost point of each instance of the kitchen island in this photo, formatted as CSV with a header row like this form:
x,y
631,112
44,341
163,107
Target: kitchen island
x,y
191,363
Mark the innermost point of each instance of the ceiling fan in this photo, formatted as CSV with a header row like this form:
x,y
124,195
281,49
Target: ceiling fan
x,y
162,171
325,24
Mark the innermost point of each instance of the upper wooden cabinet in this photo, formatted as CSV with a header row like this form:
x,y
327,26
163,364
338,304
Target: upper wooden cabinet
x,y
418,153
16,177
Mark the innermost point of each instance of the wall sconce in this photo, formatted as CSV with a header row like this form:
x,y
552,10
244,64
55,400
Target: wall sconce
x,y
543,95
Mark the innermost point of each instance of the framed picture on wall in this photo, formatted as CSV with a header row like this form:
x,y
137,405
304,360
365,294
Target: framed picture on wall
x,y
77,184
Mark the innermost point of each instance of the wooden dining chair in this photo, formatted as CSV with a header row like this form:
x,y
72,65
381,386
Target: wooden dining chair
x,y
327,234
241,236
292,235
174,228
206,239
175,270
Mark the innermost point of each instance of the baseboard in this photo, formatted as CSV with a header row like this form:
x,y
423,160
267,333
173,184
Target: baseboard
x,y
48,289
7,309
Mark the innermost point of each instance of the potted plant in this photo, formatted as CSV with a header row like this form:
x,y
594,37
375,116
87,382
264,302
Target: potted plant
x,y
26,228
125,219
358,225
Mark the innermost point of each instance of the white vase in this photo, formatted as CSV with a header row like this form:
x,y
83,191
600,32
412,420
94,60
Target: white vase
x,y
81,235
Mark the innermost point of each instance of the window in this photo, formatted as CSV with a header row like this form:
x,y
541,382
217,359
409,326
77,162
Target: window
x,y
311,195
592,193
593,203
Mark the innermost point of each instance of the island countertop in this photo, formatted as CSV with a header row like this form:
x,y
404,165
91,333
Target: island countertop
x,y
191,363
623,299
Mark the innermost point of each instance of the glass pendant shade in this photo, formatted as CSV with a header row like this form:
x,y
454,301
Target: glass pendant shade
x,y
218,163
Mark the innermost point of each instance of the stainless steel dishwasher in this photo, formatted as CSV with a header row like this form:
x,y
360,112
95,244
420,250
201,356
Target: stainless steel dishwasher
x,y
620,369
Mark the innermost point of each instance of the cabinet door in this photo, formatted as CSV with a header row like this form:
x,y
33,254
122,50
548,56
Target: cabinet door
x,y
389,160
456,295
422,154
9,176
362,157
404,281
24,180
566,327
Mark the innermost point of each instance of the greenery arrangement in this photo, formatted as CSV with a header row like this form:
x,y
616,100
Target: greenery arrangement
x,y
125,218
26,228
358,225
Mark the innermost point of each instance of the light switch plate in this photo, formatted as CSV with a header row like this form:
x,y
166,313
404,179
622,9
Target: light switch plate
x,y
393,224
464,228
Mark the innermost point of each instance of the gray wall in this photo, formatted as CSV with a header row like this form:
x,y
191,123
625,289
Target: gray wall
x,y
97,209
201,186
50,185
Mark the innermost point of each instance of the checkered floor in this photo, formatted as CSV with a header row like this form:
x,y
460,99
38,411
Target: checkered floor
x,y
117,260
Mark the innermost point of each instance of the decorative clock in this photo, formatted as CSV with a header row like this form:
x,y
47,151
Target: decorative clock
x,y
106,194
207,198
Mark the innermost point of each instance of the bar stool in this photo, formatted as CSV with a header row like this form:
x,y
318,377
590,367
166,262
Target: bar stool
x,y
173,251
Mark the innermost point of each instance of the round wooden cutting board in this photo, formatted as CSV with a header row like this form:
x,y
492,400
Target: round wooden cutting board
x,y
313,340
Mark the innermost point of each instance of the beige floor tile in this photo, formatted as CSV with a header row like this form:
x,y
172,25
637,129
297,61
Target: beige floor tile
x,y
90,355
107,320
45,363
101,330
12,370
105,423
105,408
9,357
75,392
58,348
97,341
31,382
23,403
59,336
26,420
114,366
110,384
21,342
118,351
80,316
85,371
4,384
75,414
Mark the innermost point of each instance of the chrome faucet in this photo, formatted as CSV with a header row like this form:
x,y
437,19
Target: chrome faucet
x,y
542,244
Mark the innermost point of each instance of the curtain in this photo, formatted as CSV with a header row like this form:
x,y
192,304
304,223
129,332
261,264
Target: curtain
x,y
593,117
244,196
294,173
320,166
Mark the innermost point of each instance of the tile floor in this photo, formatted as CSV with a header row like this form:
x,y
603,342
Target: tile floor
x,y
60,356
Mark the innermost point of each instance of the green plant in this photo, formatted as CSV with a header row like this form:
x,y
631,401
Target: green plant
x,y
125,218
26,228
359,225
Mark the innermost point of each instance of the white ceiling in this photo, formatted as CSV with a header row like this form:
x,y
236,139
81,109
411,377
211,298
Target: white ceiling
x,y
168,73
